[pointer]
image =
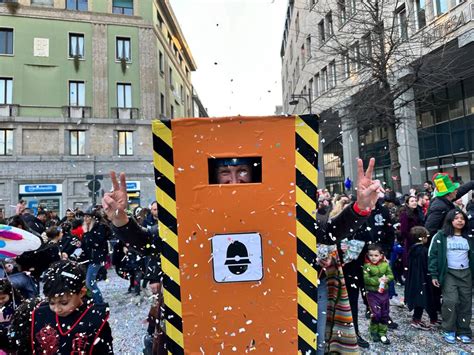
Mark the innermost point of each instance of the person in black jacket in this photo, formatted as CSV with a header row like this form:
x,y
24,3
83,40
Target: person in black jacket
x,y
151,218
37,224
67,322
69,243
418,286
354,279
38,261
378,229
2,217
10,299
95,247
446,193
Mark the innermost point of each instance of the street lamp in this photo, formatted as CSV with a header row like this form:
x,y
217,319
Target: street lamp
x,y
306,97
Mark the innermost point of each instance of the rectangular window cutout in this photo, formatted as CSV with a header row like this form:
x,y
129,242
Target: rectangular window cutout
x,y
122,49
124,95
125,143
76,45
77,140
77,95
6,142
6,41
77,5
237,170
6,91
123,7
43,3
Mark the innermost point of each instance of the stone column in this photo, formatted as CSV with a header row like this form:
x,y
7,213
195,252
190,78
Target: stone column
x,y
100,98
350,148
407,136
148,73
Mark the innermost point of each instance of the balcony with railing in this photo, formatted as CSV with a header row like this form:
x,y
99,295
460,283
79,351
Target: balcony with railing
x,y
77,111
131,113
9,110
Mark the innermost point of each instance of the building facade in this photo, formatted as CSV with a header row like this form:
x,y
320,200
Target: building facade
x,y
80,82
327,54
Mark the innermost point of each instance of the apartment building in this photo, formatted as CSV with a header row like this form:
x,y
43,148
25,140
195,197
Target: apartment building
x,y
80,82
328,53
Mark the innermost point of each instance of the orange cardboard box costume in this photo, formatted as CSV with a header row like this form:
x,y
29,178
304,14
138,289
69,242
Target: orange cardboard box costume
x,y
238,258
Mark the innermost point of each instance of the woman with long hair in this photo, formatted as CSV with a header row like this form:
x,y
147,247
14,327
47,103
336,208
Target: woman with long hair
x,y
451,265
411,215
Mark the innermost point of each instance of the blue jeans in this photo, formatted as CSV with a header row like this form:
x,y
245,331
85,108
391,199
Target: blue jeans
x,y
322,315
391,289
91,283
25,284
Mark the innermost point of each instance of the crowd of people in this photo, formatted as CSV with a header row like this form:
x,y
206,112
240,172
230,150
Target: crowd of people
x,y
421,242
76,253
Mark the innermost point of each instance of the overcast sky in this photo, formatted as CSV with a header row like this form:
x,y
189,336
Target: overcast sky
x,y
236,46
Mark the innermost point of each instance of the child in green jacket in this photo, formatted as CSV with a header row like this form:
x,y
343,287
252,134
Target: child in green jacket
x,y
451,265
377,275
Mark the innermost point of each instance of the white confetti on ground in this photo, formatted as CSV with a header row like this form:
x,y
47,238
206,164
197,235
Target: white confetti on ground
x,y
127,319
407,339
128,326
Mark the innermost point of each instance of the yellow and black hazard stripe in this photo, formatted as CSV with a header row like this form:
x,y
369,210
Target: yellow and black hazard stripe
x,y
306,150
168,229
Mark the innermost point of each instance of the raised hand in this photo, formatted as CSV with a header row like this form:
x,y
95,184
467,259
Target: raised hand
x,y
368,190
115,202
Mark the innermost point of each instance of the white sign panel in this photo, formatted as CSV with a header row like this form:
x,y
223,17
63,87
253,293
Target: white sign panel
x,y
466,38
41,47
237,257
133,185
35,189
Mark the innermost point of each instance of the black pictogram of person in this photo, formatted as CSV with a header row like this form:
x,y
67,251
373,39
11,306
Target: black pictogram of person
x,y
237,258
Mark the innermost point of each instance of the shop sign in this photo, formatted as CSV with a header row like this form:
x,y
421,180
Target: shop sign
x,y
466,38
133,185
41,189
441,30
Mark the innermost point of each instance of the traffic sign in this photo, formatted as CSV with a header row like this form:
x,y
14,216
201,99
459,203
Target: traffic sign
x,y
94,185
97,177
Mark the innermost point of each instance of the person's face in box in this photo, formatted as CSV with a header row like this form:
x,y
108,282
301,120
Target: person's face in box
x,y
234,174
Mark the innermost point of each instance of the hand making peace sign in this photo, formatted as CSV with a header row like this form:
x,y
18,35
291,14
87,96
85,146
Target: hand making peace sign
x,y
115,202
368,190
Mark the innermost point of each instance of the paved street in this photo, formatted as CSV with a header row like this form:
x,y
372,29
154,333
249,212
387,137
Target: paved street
x,y
128,326
128,321
407,339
